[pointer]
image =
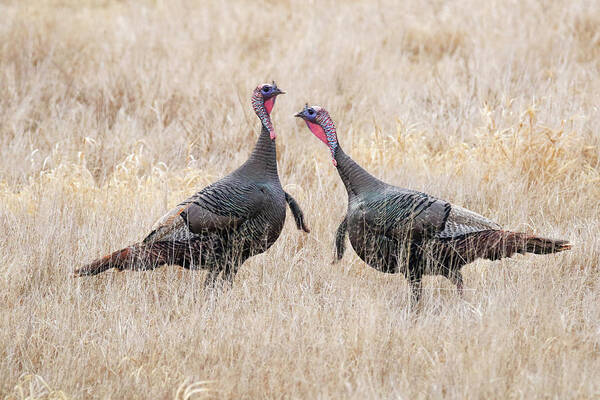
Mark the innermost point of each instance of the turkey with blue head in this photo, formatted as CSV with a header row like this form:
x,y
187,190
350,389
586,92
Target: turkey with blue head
x,y
397,230
224,224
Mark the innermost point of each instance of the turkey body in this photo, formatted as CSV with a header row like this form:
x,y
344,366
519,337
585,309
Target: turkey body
x,y
219,227
396,230
224,224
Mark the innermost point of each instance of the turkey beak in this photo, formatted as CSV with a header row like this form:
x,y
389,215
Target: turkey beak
x,y
278,92
299,115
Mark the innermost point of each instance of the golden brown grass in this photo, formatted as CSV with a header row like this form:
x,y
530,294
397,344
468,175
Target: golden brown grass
x,y
112,112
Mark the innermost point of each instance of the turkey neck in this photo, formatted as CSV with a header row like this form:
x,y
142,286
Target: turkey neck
x,y
262,162
356,179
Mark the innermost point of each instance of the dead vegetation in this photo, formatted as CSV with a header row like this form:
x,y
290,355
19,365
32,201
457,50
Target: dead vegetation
x,y
111,112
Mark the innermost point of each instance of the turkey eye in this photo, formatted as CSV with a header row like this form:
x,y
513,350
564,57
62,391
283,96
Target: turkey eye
x,y
266,89
311,111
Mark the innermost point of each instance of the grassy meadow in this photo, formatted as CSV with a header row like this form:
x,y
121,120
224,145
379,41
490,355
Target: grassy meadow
x,y
111,112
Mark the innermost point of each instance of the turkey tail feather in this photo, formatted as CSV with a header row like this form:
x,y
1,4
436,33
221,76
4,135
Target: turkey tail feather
x,y
538,245
137,257
118,259
517,242
496,244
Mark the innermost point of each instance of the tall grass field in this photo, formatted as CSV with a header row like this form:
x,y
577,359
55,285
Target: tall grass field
x,y
112,112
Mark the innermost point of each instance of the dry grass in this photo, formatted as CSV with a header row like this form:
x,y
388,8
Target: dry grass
x,y
111,112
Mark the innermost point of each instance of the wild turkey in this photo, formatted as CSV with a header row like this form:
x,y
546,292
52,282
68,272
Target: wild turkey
x,y
224,224
401,230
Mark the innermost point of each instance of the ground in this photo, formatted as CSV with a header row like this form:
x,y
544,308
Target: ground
x,y
111,112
